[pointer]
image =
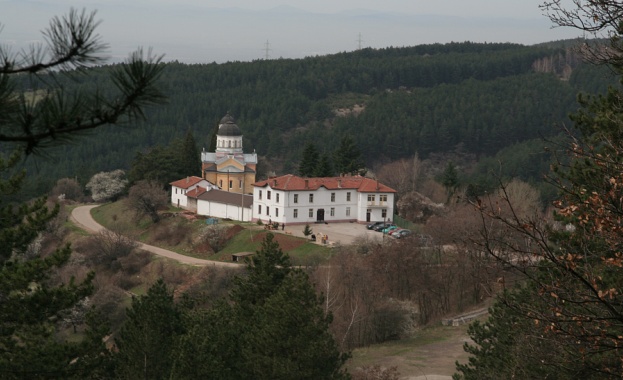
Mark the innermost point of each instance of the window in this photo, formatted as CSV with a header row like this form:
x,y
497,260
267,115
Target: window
x,y
259,209
220,184
311,198
240,184
231,184
348,197
268,194
176,190
296,198
276,211
260,195
370,197
267,210
296,213
332,211
383,197
311,212
332,197
277,197
347,211
384,213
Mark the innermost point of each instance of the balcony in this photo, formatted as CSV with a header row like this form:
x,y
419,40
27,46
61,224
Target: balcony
x,y
376,204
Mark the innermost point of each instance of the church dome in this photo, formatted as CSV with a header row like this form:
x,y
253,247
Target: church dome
x,y
228,127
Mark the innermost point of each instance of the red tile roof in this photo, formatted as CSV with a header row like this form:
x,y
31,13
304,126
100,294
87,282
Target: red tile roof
x,y
186,182
197,191
290,182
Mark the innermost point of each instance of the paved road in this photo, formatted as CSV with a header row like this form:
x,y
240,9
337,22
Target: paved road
x,y
81,215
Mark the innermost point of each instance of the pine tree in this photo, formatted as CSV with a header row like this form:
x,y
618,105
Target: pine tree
x,y
324,167
574,264
348,158
288,337
30,305
309,160
273,328
147,338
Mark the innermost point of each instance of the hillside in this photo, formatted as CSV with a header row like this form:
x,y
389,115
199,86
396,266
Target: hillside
x,y
472,98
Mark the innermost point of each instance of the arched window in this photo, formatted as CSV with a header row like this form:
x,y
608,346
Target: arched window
x,y
229,144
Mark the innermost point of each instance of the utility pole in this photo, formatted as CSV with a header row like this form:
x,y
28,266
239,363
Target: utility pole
x,y
359,41
266,50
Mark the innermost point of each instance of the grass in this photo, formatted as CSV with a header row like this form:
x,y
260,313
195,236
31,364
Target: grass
x,y
433,349
116,216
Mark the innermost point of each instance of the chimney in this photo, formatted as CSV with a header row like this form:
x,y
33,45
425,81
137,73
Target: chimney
x,y
339,183
377,185
274,183
187,179
307,184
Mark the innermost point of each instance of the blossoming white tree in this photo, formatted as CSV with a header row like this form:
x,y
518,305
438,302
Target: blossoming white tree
x,y
107,186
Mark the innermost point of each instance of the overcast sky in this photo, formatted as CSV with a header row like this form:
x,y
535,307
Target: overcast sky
x,y
202,31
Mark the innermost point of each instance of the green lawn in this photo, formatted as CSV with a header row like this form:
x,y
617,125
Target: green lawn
x,y
116,216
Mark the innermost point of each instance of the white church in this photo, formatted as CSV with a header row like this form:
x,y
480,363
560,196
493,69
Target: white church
x,y
227,189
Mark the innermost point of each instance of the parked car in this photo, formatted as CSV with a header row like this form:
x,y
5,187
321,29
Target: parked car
x,y
395,231
402,233
372,226
382,226
388,229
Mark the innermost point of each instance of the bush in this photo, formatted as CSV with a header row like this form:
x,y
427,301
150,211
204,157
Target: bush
x,y
106,248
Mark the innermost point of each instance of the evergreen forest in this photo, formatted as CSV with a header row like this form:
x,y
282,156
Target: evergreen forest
x,y
496,103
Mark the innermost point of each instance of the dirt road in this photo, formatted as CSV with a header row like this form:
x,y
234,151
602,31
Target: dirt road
x,y
81,216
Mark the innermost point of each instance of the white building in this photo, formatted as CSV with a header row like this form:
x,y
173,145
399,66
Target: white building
x,y
181,187
225,205
291,199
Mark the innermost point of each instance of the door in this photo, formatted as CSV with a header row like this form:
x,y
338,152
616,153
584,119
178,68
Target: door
x,y
320,215
368,212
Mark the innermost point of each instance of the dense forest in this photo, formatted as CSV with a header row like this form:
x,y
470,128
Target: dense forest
x,y
492,102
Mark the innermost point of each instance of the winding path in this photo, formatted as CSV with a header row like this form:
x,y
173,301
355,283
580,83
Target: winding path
x,y
81,216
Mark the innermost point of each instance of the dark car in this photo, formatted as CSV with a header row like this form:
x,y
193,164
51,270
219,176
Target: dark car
x,y
372,226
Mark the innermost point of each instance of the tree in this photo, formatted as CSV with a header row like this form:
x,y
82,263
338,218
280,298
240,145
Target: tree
x,y
32,307
189,158
309,160
573,264
160,164
107,186
68,188
600,18
71,45
273,328
307,230
450,180
146,198
348,158
147,339
324,167
289,336
106,248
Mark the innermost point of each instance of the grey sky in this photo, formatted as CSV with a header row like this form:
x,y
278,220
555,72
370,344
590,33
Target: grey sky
x,y
201,31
